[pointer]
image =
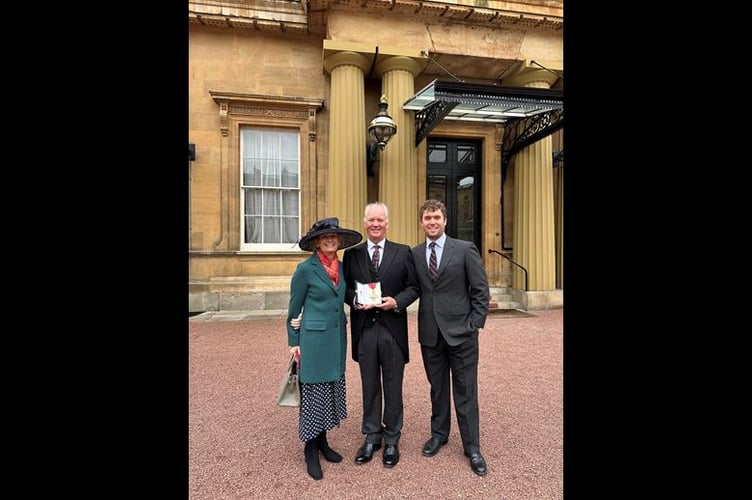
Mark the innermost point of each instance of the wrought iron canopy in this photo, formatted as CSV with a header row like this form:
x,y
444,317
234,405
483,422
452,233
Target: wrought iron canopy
x,y
441,100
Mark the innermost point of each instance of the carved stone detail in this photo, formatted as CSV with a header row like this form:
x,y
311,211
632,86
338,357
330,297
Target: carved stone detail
x,y
224,121
240,109
312,125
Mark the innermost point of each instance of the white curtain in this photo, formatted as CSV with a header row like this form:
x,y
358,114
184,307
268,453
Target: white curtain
x,y
271,185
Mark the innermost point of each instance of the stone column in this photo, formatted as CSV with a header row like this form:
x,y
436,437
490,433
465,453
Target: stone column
x,y
346,176
534,243
398,165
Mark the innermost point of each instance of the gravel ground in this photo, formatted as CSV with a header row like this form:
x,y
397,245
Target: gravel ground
x,y
242,446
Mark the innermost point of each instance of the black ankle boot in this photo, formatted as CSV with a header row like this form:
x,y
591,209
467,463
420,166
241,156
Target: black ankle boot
x,y
329,454
312,459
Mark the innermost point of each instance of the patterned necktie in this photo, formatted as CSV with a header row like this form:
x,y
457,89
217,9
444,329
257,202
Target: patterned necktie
x,y
433,269
375,258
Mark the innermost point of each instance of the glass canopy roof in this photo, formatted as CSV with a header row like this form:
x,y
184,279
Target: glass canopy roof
x,y
484,103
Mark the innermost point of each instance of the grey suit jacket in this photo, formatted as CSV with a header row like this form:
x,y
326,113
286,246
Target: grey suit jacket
x,y
457,302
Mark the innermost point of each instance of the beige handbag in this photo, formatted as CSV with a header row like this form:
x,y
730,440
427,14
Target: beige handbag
x,y
289,386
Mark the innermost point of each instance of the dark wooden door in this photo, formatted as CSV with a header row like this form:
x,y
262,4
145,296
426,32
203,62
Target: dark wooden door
x,y
454,176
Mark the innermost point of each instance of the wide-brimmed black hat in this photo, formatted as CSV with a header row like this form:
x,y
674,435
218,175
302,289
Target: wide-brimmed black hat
x,y
330,225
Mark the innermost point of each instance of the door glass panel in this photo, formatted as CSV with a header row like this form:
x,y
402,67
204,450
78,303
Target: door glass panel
x,y
465,154
437,187
465,208
437,153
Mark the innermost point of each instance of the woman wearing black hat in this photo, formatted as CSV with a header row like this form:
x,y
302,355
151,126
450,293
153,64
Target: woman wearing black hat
x,y
318,287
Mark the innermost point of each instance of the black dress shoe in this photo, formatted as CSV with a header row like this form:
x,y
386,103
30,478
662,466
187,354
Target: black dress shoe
x,y
477,463
432,446
365,452
391,455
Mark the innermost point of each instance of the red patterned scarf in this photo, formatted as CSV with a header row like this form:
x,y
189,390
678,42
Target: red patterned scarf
x,y
331,266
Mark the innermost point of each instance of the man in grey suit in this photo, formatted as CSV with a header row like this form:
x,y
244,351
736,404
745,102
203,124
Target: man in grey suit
x,y
454,298
379,331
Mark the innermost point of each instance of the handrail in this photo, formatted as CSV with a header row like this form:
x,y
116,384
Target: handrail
x,y
491,250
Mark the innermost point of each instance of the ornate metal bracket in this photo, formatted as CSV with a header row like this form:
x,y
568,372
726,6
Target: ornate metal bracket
x,y
427,119
520,133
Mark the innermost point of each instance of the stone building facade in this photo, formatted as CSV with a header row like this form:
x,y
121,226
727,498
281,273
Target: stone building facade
x,y
281,93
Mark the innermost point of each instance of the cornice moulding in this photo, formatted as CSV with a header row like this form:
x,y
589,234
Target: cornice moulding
x,y
303,17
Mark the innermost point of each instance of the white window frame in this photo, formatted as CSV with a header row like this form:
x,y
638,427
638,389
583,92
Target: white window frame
x,y
246,155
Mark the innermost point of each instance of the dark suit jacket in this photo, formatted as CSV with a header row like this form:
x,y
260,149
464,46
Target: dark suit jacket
x,y
457,302
397,276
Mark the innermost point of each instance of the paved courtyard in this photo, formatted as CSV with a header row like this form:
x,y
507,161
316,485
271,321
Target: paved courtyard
x,y
242,446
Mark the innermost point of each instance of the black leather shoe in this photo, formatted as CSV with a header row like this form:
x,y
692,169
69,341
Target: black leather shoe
x,y
365,452
477,463
391,455
432,446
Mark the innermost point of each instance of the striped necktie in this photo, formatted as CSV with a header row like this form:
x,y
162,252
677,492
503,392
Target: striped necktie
x,y
375,257
433,269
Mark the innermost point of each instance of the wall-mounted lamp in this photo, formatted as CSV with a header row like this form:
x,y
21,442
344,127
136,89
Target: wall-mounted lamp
x,y
381,129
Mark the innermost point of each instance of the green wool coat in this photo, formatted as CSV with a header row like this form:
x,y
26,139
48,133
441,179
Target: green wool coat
x,y
322,336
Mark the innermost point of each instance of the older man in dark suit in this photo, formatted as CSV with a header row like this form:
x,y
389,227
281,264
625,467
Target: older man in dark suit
x,y
453,306
378,330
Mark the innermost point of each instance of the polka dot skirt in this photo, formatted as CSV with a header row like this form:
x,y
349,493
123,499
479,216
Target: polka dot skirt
x,y
322,406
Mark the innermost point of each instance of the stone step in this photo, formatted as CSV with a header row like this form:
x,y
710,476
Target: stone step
x,y
506,304
502,298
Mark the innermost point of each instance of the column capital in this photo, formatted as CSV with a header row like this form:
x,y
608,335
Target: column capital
x,y
331,62
392,63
